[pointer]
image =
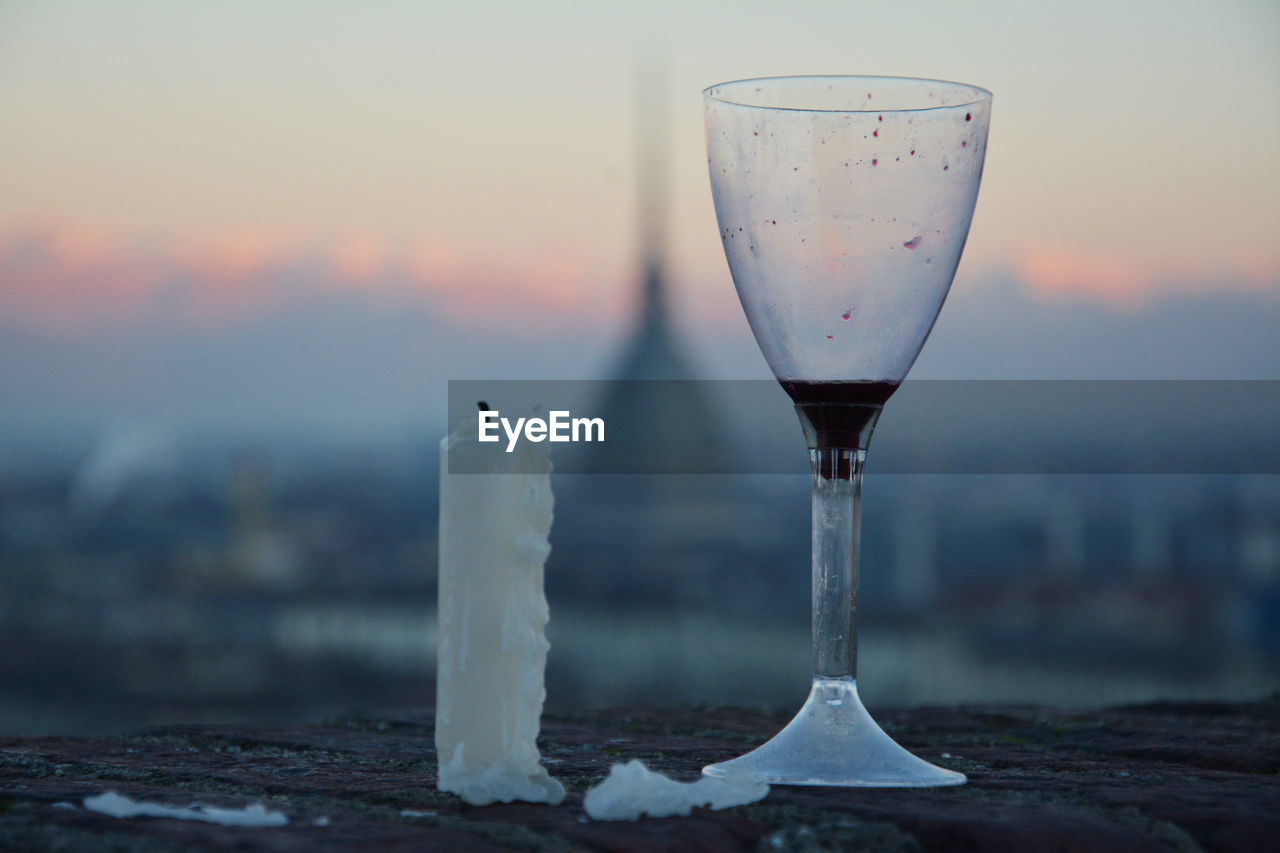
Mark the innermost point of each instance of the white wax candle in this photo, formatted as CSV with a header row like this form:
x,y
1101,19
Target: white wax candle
x,y
492,620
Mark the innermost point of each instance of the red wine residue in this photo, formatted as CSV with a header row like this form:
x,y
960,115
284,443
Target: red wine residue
x,y
876,134
847,315
868,393
967,116
912,243
831,337
874,162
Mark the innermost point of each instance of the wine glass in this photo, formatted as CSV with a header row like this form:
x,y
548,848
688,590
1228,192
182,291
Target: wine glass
x,y
843,205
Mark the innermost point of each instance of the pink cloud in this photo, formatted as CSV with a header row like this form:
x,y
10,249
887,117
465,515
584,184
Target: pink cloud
x,y
236,255
1059,272
359,257
76,278
51,277
1056,271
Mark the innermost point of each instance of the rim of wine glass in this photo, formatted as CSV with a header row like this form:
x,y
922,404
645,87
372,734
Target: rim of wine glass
x,y
981,95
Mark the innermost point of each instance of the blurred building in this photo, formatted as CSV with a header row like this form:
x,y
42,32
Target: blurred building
x,y
633,527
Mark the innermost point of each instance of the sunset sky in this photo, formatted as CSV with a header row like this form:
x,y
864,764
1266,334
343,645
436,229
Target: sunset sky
x,y
201,163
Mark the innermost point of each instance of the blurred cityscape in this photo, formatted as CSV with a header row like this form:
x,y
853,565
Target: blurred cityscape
x,y
289,584
152,577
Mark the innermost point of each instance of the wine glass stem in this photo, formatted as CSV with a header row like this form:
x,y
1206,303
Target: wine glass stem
x,y
837,497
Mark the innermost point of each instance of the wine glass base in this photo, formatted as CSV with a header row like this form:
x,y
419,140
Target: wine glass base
x,y
834,741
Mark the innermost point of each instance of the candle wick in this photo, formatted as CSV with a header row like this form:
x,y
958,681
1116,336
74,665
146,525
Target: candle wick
x,y
483,406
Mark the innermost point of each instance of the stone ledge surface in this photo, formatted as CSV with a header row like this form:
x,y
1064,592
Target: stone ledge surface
x,y
1163,776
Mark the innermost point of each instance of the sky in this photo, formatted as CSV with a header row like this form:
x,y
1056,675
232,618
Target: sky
x,y
208,167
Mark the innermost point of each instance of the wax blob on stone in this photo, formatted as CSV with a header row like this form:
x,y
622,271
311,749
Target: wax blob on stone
x,y
632,790
492,620
118,805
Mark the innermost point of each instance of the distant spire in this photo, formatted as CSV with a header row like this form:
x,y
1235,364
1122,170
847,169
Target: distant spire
x,y
652,126
670,423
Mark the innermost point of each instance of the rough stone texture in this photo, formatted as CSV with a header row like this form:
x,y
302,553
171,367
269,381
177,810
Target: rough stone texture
x,y
1177,777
